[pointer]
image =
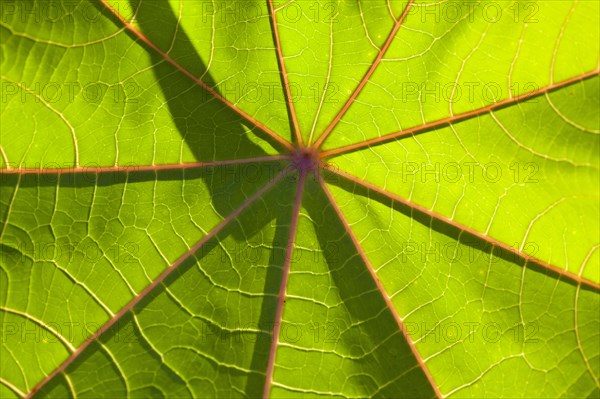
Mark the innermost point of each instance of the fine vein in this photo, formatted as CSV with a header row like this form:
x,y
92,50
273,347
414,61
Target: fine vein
x,y
458,117
418,208
129,307
282,288
367,76
284,75
197,80
382,290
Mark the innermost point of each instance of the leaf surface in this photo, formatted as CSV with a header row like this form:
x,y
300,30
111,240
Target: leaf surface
x,y
300,199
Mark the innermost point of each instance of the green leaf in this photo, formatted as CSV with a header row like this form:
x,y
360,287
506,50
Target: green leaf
x,y
300,199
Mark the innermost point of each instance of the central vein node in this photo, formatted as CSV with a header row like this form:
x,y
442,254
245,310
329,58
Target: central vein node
x,y
305,160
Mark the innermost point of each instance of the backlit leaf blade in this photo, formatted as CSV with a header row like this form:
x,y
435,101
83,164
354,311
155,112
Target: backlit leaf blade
x,y
450,59
479,318
117,96
219,350
100,245
335,321
278,199
525,163
314,34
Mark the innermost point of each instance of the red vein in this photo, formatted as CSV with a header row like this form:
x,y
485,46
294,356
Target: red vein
x,y
459,117
528,258
367,76
134,168
197,80
284,75
382,290
129,307
282,288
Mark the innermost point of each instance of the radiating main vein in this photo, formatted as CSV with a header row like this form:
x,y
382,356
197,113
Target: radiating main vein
x,y
525,257
197,80
284,76
140,168
381,289
283,284
459,117
367,76
127,308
